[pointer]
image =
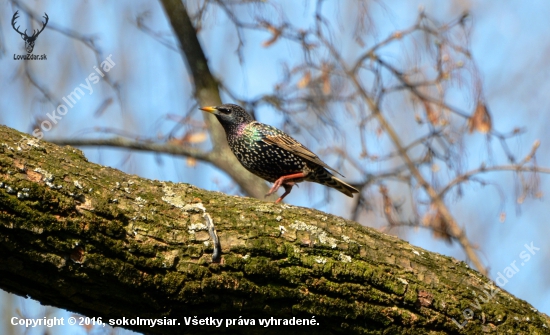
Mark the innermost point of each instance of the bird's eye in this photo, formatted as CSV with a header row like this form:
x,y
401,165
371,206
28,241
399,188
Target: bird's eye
x,y
224,110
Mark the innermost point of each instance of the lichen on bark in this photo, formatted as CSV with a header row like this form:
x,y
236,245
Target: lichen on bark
x,y
96,241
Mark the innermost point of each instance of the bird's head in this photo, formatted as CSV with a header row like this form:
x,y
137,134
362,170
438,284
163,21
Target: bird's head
x,y
230,116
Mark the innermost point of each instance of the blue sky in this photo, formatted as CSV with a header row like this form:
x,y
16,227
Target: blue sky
x,y
509,42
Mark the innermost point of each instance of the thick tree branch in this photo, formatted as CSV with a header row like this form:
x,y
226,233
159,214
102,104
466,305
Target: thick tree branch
x,y
96,241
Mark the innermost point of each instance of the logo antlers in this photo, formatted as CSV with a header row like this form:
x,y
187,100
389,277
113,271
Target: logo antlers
x,y
29,40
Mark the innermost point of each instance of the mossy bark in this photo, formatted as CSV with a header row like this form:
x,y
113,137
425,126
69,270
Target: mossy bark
x,y
96,241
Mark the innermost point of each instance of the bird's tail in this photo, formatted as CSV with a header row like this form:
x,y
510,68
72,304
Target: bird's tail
x,y
324,177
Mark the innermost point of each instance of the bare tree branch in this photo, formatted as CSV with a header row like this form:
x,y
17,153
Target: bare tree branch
x,y
206,93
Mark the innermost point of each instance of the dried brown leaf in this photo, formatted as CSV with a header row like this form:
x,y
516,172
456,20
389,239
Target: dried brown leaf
x,y
276,34
389,209
480,120
305,80
196,137
432,115
191,162
189,137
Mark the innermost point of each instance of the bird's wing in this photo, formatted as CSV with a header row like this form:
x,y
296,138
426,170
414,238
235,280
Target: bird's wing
x,y
291,145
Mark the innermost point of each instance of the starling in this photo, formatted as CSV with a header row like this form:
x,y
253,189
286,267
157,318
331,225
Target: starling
x,y
272,154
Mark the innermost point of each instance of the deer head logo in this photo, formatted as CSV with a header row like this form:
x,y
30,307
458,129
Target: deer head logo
x,y
29,40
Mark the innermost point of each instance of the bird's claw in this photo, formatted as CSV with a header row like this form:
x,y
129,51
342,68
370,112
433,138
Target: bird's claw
x,y
275,187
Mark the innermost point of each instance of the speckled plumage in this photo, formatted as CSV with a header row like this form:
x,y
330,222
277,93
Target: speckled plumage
x,y
272,154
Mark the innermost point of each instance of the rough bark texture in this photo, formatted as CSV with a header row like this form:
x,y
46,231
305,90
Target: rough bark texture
x,y
96,241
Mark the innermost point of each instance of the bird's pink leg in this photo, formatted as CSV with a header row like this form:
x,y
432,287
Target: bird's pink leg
x,y
286,185
288,188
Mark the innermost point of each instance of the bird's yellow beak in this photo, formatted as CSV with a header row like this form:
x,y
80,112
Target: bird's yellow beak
x,y
209,109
